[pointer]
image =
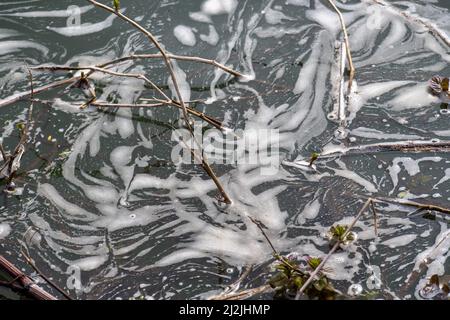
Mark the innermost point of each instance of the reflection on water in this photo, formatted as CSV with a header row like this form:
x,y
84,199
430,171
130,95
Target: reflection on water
x,y
107,210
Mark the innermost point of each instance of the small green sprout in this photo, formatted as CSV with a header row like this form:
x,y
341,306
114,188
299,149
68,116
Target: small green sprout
x,y
314,262
116,4
291,277
21,126
339,233
314,157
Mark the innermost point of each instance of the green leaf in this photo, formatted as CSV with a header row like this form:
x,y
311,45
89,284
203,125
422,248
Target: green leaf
x,y
278,280
21,126
314,157
314,262
116,4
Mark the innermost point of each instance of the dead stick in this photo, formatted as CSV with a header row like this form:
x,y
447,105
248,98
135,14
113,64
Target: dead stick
x,y
107,71
333,249
414,204
244,294
212,121
169,66
347,46
178,57
29,286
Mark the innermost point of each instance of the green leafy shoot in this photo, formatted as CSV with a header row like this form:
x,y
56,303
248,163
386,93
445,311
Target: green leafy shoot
x,y
314,262
116,4
314,157
21,126
339,233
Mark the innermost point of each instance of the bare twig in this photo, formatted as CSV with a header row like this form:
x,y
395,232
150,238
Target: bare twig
x,y
107,71
26,283
410,203
178,57
232,288
168,62
347,46
333,249
275,253
396,146
43,276
212,121
244,294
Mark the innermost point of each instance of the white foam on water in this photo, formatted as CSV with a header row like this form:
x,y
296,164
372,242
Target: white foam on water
x,y
377,134
11,46
311,211
400,241
216,7
90,263
8,33
50,13
275,17
85,28
298,2
5,230
416,96
48,191
183,84
212,38
200,17
185,35
409,164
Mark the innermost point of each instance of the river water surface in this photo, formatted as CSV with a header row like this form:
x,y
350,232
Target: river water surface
x,y
113,217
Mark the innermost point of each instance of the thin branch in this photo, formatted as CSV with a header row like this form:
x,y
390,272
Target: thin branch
x,y
410,203
333,249
43,276
275,253
396,146
244,294
170,68
178,57
107,71
212,121
375,223
231,289
27,284
347,46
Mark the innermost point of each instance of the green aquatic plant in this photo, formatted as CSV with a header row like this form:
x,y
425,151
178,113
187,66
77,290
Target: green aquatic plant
x,y
314,262
314,157
291,276
116,4
339,233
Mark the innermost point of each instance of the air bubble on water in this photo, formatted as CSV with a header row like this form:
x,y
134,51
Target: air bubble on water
x,y
355,289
